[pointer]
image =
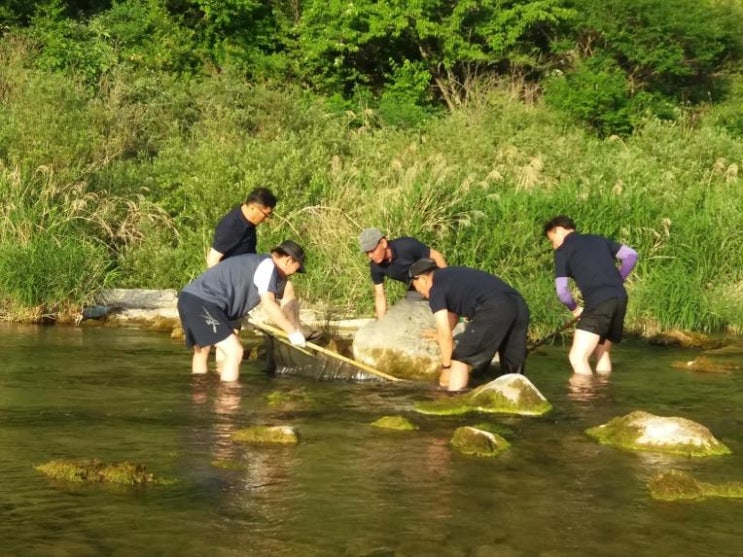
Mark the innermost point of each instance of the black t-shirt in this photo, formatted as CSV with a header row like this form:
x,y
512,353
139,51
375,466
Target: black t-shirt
x,y
590,261
405,252
234,235
461,289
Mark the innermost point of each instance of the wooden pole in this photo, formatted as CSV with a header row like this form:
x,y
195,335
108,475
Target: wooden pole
x,y
281,335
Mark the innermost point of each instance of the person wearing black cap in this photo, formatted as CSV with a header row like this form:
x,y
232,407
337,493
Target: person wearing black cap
x,y
210,304
498,319
392,258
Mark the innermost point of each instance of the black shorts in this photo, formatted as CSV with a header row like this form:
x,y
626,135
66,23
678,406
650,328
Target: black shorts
x,y
605,320
497,326
204,323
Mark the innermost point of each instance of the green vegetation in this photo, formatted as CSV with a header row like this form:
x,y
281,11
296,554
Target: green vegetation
x,y
128,128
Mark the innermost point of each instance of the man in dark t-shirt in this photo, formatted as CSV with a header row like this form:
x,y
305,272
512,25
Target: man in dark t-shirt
x,y
392,258
235,233
498,319
591,261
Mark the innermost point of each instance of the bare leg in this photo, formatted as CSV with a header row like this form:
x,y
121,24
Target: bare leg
x,y
584,343
200,360
603,361
459,376
233,355
219,356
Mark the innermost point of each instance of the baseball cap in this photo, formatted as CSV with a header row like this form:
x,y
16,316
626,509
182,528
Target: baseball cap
x,y
292,249
369,238
421,266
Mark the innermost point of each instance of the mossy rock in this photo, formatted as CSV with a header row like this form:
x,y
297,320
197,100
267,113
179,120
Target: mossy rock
x,y
98,472
704,364
509,394
642,431
288,399
685,339
276,435
680,486
398,423
478,442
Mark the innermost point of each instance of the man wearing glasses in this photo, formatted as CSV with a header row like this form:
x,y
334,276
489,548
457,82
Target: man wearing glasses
x,y
236,231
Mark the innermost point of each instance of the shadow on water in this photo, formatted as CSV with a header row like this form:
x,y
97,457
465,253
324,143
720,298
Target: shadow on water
x,y
346,488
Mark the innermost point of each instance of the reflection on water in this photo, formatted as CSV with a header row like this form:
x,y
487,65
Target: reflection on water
x,y
347,488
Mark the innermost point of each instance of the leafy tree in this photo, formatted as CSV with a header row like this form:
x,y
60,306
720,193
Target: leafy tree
x,y
342,44
670,52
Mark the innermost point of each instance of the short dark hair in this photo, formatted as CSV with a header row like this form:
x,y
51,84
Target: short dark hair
x,y
262,196
560,220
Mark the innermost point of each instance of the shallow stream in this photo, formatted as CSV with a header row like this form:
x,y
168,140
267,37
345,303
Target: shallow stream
x,y
347,488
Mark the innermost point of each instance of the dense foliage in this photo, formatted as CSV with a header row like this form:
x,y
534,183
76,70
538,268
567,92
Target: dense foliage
x,y
127,128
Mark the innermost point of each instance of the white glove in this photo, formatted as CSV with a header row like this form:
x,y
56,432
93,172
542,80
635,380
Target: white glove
x,y
297,338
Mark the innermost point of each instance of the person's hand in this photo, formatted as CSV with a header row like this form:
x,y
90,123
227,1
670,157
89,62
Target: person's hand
x,y
297,338
430,334
577,311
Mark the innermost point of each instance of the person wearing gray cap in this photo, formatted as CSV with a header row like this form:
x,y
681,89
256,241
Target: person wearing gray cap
x,y
392,258
498,320
211,302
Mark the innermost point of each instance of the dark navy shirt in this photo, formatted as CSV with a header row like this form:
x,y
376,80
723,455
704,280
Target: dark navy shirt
x,y
405,252
461,289
590,261
234,235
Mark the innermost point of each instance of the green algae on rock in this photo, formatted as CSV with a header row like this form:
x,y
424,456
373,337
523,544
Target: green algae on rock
x,y
509,394
478,442
642,431
277,435
680,486
288,399
398,423
96,471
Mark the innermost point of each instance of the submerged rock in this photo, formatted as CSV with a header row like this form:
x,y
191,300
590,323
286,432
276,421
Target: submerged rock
x,y
478,442
509,394
289,400
281,435
642,431
680,486
399,423
703,364
685,339
96,471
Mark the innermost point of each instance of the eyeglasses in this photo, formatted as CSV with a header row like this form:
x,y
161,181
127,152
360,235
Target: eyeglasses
x,y
266,214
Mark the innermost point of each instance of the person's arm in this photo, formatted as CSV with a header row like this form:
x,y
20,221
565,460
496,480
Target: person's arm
x,y
446,341
273,310
213,257
563,293
628,258
380,301
438,258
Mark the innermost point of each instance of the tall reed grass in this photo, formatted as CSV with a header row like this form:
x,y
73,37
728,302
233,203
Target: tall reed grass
x,y
129,180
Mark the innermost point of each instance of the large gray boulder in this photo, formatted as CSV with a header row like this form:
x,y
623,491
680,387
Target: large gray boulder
x,y
395,343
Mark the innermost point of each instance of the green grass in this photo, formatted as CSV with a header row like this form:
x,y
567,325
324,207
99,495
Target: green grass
x,y
123,184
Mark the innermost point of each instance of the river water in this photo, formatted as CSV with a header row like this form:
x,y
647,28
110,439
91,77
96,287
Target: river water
x,y
347,488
